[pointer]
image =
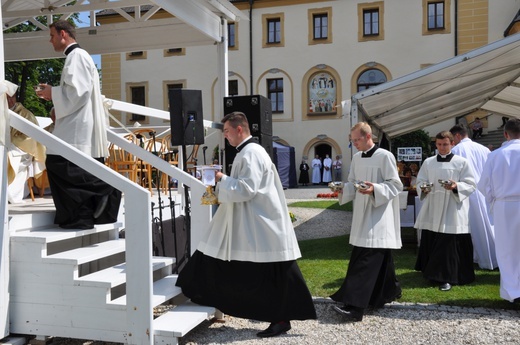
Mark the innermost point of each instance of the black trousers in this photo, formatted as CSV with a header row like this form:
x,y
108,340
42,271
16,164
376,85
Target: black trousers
x,y
477,132
270,291
76,193
446,258
370,279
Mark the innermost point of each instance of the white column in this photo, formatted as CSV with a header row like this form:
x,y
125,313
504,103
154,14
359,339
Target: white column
x,y
4,237
223,67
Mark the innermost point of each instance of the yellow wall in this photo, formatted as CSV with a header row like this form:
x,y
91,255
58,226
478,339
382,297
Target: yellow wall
x,y
111,78
473,25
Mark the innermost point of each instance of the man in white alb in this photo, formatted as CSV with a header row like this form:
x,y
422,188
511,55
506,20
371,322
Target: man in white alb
x,y
316,170
246,265
81,199
327,169
445,254
481,228
499,184
376,228
336,169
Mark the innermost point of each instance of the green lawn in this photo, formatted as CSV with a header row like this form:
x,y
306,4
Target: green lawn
x,y
325,261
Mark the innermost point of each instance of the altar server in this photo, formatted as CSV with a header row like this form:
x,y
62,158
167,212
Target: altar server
x,y
446,252
316,170
481,228
376,228
327,169
246,266
81,199
499,184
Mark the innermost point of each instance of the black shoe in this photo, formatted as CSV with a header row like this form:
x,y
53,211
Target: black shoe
x,y
352,313
516,300
445,287
274,329
80,224
101,206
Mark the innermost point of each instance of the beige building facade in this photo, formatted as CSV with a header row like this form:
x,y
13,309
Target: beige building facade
x,y
308,57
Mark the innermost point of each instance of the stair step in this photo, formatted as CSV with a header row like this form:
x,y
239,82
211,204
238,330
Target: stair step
x,y
163,290
116,275
90,253
55,234
181,319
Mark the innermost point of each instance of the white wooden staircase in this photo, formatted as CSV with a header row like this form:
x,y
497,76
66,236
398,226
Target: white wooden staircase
x,y
71,283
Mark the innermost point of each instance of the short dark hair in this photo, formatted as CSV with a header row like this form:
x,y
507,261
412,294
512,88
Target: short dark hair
x,y
459,129
63,25
512,128
444,135
236,119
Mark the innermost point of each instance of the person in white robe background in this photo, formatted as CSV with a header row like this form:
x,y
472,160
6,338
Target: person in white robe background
x,y
445,254
316,170
26,156
481,227
336,168
327,169
499,184
376,228
81,199
246,266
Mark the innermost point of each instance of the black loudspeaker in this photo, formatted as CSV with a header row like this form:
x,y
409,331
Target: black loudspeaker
x,y
230,152
257,109
258,112
186,118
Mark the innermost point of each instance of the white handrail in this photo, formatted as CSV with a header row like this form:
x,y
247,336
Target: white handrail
x,y
138,220
137,231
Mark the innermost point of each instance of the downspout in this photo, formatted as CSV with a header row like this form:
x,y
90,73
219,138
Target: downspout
x,y
456,27
251,46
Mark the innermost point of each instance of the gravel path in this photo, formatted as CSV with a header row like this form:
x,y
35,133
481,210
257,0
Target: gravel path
x,y
316,223
390,325
397,323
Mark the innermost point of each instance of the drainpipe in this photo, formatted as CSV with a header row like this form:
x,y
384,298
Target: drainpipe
x,y
251,46
456,27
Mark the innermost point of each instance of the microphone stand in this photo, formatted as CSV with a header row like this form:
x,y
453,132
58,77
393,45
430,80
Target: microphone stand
x,y
156,223
158,182
204,148
222,156
141,144
174,225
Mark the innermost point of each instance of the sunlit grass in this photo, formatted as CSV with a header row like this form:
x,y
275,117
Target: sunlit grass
x,y
325,261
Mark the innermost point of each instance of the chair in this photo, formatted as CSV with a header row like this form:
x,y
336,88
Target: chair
x,y
122,161
41,183
192,161
171,155
30,185
144,169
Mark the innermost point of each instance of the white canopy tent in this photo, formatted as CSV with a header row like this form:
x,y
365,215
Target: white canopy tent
x,y
193,22
487,78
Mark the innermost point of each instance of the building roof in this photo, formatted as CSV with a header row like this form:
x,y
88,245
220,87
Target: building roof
x,y
513,23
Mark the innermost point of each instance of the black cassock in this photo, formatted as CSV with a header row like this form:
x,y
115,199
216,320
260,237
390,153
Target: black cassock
x,y
304,173
77,193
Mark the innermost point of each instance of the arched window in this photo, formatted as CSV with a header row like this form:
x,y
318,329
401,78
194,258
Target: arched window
x,y
322,93
370,78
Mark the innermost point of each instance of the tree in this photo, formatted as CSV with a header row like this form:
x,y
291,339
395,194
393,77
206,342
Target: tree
x,y
27,74
418,138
